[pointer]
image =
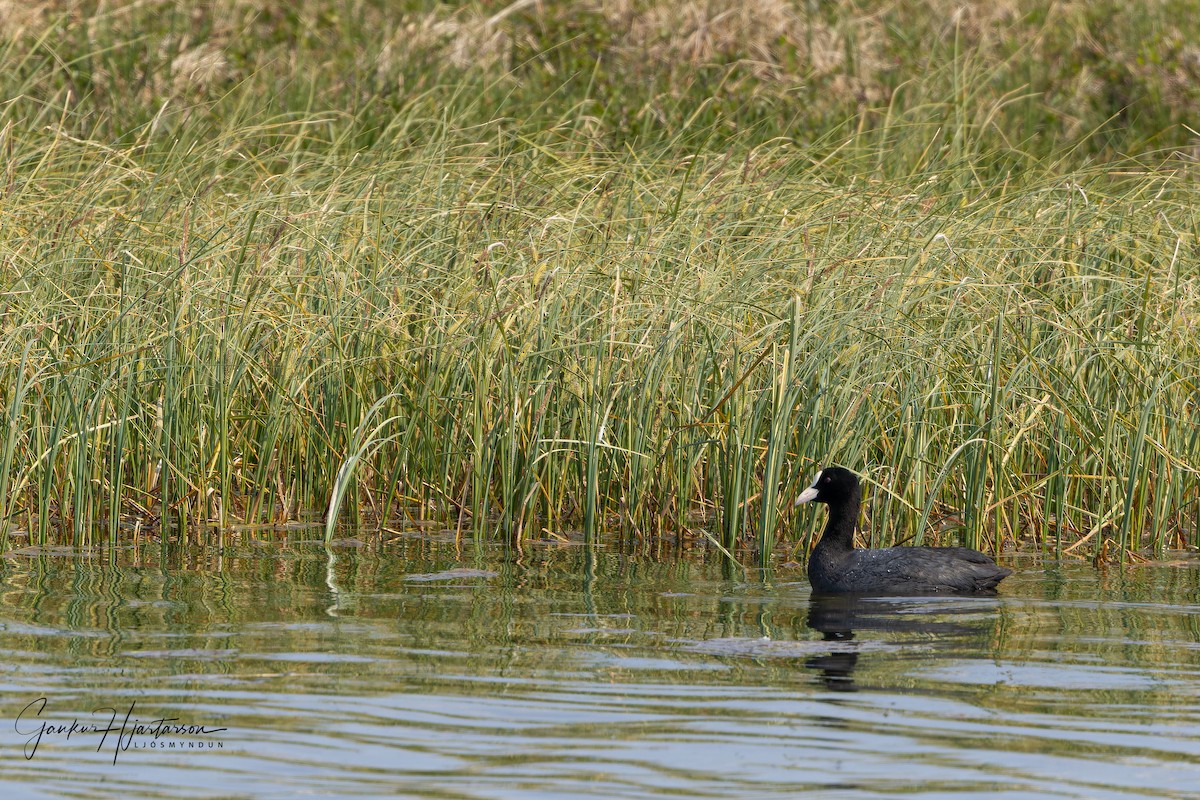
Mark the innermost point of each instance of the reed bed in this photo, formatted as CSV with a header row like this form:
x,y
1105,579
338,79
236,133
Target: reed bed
x,y
480,312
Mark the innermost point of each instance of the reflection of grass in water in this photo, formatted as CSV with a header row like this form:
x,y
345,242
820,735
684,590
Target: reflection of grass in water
x,y
492,673
228,280
538,617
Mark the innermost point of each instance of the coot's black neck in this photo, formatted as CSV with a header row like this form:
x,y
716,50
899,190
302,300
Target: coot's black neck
x,y
839,530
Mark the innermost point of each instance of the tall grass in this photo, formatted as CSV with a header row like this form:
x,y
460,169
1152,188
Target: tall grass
x,y
238,314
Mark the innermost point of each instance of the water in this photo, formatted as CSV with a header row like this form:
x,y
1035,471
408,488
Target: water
x,y
414,669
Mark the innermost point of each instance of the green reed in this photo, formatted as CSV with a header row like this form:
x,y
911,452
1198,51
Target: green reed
x,y
580,375
238,314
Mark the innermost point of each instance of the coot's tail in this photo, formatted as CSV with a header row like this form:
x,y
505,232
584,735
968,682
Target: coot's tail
x,y
989,580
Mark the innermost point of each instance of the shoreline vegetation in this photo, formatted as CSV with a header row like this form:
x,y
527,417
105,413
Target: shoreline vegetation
x,y
628,268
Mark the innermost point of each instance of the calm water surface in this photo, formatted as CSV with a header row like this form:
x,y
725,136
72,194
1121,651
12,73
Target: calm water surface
x,y
415,669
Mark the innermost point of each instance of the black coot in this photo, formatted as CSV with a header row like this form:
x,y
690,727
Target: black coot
x,y
835,566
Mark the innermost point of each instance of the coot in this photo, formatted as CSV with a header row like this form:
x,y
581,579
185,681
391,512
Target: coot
x,y
835,566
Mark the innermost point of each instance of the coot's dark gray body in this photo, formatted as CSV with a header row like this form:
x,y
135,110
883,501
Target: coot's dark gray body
x,y
836,567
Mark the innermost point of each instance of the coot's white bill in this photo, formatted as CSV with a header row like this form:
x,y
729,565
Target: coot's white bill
x,y
809,493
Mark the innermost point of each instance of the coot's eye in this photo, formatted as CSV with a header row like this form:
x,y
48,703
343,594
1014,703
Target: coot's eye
x,y
825,479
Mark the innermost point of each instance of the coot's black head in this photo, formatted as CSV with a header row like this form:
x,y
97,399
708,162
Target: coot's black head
x,y
834,485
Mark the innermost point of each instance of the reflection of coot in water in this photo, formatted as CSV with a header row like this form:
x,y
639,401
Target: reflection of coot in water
x,y
836,566
832,616
838,616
